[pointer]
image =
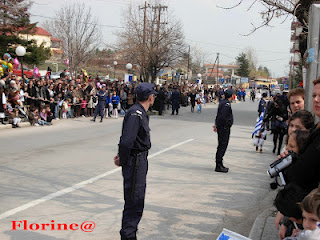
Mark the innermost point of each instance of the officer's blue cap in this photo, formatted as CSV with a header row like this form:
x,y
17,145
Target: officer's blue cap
x,y
228,93
144,90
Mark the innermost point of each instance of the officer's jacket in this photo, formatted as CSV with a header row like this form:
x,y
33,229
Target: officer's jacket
x,y
262,106
224,116
102,96
175,97
135,136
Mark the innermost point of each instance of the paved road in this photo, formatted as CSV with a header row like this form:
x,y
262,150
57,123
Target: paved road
x,y
44,173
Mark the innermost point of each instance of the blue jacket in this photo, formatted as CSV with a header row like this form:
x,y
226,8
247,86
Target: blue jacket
x,y
115,99
108,100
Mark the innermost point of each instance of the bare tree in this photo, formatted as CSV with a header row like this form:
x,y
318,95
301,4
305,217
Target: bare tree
x,y
151,38
198,57
282,8
79,32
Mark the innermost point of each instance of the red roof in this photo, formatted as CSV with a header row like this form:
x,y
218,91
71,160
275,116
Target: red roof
x,y
55,39
40,31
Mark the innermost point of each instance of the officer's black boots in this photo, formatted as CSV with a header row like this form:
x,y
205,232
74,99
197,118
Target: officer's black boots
x,y
221,168
124,238
94,119
101,119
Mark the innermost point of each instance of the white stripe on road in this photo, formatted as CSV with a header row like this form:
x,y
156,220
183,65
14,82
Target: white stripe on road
x,y
76,186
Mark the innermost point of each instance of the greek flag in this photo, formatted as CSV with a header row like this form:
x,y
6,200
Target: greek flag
x,y
259,124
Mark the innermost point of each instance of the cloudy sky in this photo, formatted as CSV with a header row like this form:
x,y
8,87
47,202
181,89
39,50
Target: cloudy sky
x,y
206,26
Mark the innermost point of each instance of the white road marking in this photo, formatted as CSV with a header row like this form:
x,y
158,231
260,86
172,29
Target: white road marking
x,y
77,186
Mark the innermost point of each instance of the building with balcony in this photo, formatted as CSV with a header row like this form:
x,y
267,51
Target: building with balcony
x,y
43,37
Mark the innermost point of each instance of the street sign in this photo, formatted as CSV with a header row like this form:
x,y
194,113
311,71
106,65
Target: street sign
x,y
222,80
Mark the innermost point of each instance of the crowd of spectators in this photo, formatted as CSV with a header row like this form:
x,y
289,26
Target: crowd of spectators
x,y
298,201
42,100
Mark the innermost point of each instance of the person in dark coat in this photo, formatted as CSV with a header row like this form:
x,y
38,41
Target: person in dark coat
x,y
192,96
223,123
161,98
279,116
305,170
132,157
175,98
102,96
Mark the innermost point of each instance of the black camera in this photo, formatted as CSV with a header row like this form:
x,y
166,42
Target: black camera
x,y
278,166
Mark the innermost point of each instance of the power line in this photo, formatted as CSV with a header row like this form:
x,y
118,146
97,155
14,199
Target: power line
x,y
225,46
274,60
102,25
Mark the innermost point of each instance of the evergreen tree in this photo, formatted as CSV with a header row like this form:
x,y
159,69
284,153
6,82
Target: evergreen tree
x,y
15,20
14,17
243,63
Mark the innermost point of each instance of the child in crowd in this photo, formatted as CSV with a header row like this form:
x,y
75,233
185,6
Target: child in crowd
x,y
108,107
115,102
310,219
199,100
70,108
50,116
34,116
3,102
43,116
64,109
15,118
259,138
296,140
84,106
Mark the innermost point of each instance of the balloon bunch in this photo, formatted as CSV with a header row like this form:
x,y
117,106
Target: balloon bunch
x,y
8,64
85,74
36,72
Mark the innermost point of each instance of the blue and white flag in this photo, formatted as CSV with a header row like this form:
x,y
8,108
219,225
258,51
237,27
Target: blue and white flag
x,y
259,124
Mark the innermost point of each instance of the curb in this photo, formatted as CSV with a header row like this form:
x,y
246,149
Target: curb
x,y
259,224
9,125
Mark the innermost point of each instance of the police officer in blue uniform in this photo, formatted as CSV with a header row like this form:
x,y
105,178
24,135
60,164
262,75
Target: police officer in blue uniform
x,y
223,123
262,104
102,95
175,99
132,157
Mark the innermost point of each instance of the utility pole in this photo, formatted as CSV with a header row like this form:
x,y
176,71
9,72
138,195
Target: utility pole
x,y
188,63
217,68
153,28
290,75
143,68
313,54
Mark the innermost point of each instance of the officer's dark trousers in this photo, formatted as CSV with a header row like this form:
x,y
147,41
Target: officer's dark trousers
x,y
99,110
161,107
223,140
133,208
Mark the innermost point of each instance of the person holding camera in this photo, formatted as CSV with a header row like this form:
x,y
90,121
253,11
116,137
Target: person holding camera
x,y
306,169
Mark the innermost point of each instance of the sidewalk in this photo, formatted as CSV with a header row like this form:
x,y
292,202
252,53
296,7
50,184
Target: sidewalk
x,y
263,227
8,125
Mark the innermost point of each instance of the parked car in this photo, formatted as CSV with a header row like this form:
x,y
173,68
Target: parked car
x,y
26,71
56,75
262,86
